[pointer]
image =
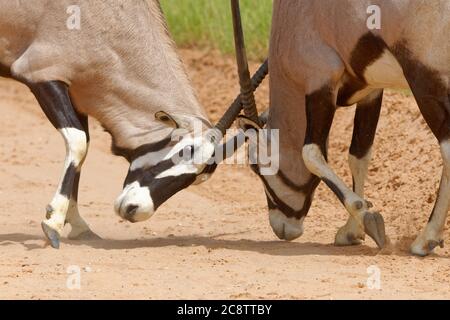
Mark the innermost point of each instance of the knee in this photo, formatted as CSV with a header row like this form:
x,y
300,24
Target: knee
x,y
77,144
313,157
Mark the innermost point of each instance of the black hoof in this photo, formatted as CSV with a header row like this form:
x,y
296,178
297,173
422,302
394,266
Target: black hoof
x,y
52,235
374,227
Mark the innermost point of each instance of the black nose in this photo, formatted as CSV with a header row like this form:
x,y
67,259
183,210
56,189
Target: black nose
x,y
130,211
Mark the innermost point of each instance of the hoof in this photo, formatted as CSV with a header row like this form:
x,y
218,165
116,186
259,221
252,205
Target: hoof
x,y
350,234
86,236
346,238
422,248
374,227
51,234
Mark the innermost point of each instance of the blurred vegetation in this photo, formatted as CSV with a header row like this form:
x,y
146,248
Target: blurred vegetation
x,y
208,23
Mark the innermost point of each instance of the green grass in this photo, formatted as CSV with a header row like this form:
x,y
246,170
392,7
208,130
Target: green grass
x,y
208,23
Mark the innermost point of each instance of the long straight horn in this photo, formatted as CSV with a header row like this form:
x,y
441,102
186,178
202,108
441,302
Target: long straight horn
x,y
247,95
235,108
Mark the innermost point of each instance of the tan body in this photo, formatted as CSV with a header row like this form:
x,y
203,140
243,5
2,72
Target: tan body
x,y
122,50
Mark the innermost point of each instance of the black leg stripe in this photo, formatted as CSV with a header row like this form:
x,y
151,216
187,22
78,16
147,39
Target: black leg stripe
x,y
68,182
365,126
335,189
55,101
76,183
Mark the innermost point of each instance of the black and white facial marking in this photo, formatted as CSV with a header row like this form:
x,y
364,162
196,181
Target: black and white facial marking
x,y
159,171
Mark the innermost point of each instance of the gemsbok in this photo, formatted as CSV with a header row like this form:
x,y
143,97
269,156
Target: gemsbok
x,y
114,61
324,55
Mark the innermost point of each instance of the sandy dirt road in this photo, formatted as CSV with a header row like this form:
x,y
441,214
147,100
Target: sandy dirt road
x,y
214,240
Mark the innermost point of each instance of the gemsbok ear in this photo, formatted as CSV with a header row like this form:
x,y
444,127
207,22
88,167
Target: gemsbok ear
x,y
245,123
167,119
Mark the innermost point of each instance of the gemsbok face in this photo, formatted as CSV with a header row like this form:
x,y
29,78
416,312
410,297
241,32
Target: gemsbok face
x,y
159,171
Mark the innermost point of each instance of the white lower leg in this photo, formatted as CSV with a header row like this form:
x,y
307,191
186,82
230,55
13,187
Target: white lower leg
x,y
76,150
352,232
432,234
56,211
359,168
79,226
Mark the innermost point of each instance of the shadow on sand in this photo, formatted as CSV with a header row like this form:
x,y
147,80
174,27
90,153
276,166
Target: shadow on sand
x,y
273,248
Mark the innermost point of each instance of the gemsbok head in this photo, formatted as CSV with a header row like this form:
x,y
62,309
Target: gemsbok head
x,y
158,171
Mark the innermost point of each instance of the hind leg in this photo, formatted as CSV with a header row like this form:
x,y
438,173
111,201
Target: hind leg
x,y
365,125
435,107
431,236
431,91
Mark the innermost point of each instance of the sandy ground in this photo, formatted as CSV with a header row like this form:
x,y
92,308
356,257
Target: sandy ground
x,y
214,240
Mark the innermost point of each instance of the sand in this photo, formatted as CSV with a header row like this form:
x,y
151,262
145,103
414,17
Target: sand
x,y
214,240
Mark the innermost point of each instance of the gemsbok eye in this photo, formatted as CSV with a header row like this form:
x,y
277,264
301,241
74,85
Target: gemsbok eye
x,y
186,153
